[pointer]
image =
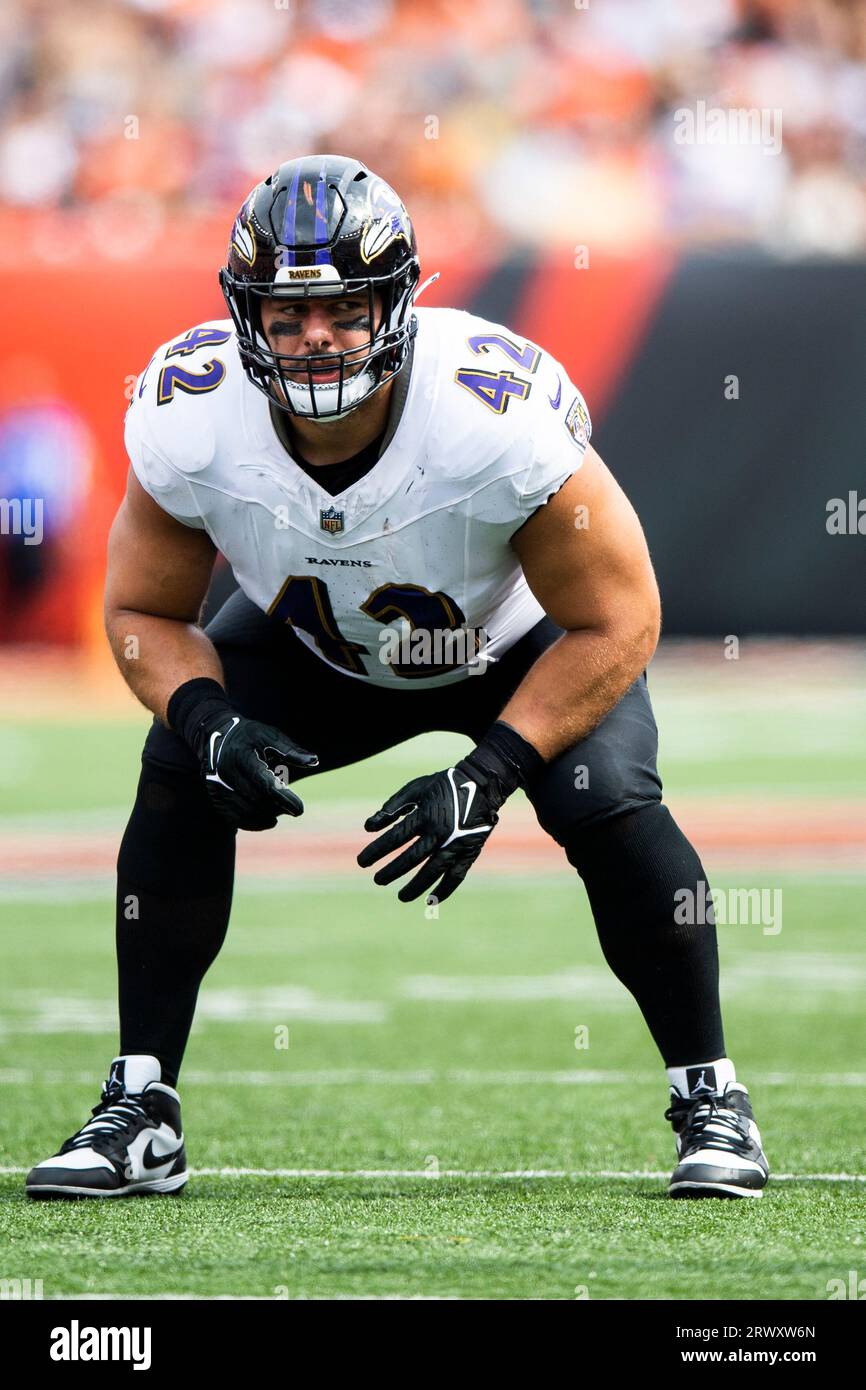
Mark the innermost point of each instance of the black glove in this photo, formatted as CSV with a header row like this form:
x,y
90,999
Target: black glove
x,y
245,764
451,813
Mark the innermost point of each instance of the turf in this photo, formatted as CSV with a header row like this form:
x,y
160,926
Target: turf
x,y
344,1033
559,1240
431,1080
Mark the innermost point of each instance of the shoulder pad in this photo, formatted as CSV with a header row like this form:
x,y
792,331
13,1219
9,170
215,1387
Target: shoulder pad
x,y
181,394
503,397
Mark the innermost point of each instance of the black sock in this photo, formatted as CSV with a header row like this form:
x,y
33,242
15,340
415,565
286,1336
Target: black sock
x,y
175,872
632,866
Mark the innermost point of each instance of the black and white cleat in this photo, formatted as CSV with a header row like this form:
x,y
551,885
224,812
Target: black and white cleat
x,y
131,1145
718,1145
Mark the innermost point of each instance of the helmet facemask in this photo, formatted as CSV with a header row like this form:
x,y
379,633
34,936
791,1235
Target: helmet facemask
x,y
363,370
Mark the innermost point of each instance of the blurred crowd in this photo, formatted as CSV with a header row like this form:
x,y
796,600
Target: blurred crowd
x,y
511,123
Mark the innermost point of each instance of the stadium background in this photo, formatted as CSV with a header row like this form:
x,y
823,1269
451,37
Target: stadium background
x,y
534,144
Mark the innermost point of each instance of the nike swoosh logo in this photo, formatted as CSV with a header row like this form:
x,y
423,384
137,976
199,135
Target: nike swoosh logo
x,y
217,735
151,1159
213,741
460,831
554,400
214,753
471,789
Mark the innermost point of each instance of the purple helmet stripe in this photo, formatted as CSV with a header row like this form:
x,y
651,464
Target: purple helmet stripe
x,y
291,209
321,228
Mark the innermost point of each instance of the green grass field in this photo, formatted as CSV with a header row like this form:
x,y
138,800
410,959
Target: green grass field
x,y
378,1104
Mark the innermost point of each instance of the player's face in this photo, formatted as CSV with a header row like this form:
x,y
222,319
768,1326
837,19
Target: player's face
x,y
304,327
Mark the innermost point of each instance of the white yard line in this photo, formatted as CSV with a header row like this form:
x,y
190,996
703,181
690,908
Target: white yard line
x,y
470,1174
252,1297
428,1076
98,888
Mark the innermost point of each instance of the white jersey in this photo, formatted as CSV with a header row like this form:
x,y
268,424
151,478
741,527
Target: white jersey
x,y
490,429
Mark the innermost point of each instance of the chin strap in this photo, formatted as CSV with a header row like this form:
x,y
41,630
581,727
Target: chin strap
x,y
431,279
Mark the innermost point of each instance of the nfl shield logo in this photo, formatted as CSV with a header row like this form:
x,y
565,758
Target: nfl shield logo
x,y
331,520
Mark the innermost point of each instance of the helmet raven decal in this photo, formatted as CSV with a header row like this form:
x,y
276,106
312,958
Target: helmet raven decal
x,y
322,225
243,241
387,221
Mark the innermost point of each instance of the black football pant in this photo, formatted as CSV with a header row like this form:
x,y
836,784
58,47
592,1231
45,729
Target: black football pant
x,y
600,800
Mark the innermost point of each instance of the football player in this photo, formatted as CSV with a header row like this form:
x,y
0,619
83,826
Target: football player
x,y
424,539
